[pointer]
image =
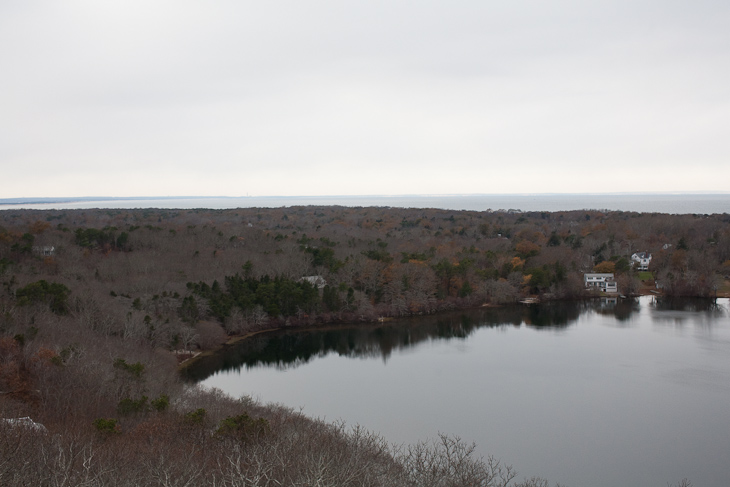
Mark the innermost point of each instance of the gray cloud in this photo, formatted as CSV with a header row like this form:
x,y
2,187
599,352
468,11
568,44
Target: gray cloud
x,y
223,97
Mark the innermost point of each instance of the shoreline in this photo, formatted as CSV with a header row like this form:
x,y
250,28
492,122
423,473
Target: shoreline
x,y
233,339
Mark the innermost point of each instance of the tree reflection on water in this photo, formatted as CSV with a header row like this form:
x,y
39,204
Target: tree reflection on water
x,y
290,348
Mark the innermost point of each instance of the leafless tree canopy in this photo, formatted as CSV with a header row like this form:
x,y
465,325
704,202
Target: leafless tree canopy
x,y
98,306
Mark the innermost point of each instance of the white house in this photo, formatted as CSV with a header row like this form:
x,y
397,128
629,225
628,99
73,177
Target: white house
x,y
642,259
601,281
45,250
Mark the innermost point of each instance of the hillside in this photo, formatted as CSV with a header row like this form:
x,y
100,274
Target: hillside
x,y
98,307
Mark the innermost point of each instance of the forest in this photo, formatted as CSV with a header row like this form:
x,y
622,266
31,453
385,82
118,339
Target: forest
x,y
99,307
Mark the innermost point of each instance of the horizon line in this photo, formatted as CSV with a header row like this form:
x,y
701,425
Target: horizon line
x,y
55,199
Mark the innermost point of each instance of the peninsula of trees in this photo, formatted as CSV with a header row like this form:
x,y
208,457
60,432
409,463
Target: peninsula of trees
x,y
98,306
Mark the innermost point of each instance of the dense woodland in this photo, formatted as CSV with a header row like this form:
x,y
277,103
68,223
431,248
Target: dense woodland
x,y
98,307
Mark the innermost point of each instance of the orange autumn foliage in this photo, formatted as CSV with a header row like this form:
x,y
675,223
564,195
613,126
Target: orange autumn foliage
x,y
605,267
517,262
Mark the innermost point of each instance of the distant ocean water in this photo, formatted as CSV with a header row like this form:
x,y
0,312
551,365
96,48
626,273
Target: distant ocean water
x,y
647,203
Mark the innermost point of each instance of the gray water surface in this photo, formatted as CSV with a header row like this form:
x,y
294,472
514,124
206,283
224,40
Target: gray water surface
x,y
586,394
681,203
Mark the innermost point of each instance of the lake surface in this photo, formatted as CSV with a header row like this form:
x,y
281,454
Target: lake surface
x,y
649,203
630,393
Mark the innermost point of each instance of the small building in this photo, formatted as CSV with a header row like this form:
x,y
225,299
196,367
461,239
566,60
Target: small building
x,y
642,259
44,250
316,281
604,282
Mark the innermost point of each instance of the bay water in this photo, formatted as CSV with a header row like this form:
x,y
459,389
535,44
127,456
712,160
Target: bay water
x,y
678,203
598,393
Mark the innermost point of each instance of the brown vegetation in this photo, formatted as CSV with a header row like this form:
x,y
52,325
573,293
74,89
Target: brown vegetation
x,y
90,330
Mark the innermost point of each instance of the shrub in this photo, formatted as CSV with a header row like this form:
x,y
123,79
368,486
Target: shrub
x,y
136,369
161,403
107,426
196,417
242,426
55,294
128,405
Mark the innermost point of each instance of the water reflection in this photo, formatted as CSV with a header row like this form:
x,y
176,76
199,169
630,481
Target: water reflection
x,y
621,309
685,310
291,348
690,305
585,393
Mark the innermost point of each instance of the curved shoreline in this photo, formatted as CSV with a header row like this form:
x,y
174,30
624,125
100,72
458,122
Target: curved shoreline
x,y
232,340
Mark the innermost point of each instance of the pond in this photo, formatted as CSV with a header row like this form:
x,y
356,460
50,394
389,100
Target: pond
x,y
599,393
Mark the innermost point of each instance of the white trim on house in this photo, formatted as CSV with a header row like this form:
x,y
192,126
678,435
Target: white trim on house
x,y
642,259
602,281
44,250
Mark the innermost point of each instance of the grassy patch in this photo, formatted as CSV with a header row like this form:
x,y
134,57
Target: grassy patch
x,y
646,276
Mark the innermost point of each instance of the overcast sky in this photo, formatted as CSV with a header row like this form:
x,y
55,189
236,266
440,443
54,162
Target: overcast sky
x,y
144,97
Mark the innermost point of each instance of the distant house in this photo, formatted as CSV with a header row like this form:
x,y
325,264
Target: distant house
x,y
642,259
316,281
600,281
45,250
